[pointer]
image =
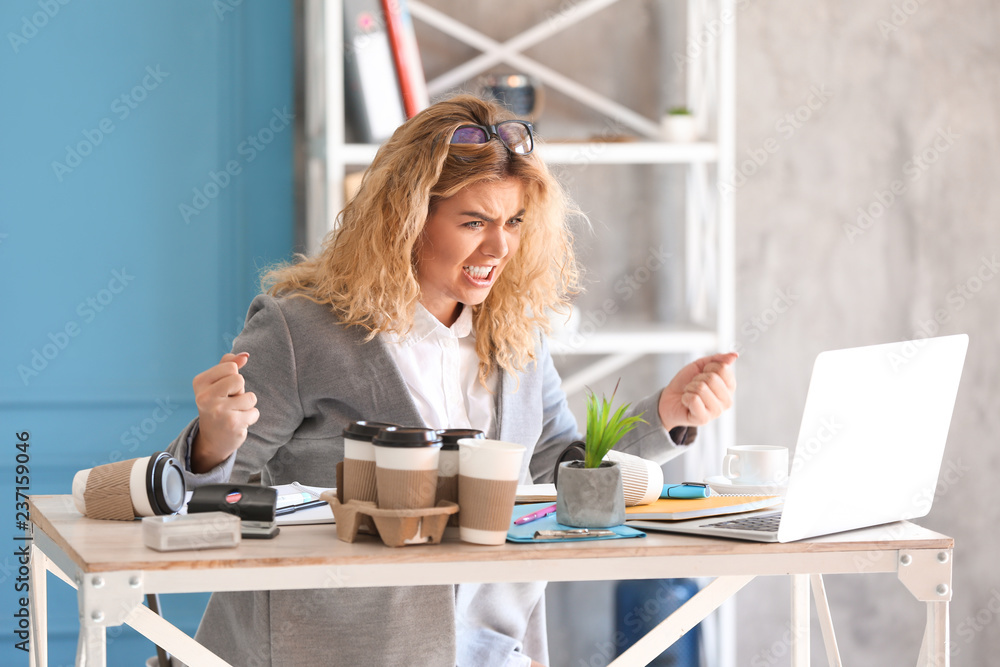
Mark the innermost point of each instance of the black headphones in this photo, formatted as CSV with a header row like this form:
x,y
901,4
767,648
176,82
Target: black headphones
x,y
574,452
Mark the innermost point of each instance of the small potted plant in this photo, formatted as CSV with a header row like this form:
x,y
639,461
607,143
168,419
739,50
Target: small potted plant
x,y
679,125
589,493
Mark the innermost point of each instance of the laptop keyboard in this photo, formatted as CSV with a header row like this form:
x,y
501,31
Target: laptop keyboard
x,y
767,523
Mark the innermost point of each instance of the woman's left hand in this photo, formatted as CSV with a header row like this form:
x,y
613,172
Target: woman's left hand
x,y
700,392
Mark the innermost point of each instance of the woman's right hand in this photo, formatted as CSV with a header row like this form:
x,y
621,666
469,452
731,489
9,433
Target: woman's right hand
x,y
225,412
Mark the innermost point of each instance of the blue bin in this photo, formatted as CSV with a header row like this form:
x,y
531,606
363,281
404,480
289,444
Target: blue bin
x,y
641,604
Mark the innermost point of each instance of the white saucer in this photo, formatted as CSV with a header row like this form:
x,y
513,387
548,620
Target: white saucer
x,y
721,484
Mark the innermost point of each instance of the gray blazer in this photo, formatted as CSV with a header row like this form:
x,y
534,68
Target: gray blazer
x,y
312,376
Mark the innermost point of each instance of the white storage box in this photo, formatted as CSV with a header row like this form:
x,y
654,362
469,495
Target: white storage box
x,y
205,530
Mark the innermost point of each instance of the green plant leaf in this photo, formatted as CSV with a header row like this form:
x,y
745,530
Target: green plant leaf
x,y
604,428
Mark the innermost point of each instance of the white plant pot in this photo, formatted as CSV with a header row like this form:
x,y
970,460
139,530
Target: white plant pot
x,y
680,128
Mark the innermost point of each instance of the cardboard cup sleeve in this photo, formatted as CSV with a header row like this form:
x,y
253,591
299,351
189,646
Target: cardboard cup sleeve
x,y
406,489
486,504
359,480
107,494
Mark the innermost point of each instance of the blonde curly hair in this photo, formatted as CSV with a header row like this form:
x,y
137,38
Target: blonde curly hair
x,y
366,269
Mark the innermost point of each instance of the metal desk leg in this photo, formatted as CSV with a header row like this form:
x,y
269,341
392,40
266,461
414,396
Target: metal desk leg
x,y
161,632
104,599
800,620
683,619
926,573
934,650
38,648
91,650
825,621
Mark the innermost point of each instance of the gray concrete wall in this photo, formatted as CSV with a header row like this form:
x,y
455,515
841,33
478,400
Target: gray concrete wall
x,y
911,92
902,92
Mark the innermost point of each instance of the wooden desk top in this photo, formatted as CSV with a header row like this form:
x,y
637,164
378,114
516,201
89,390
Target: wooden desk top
x,y
100,546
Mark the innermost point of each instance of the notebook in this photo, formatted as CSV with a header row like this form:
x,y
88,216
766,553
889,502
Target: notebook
x,y
310,516
535,493
695,508
870,443
313,515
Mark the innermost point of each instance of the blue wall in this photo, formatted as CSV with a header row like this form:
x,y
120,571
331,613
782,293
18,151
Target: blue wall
x,y
128,256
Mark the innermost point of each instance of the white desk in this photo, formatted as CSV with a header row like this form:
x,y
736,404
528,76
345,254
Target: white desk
x,y
111,569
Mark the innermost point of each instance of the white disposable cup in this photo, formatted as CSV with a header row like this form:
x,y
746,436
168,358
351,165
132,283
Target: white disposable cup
x,y
359,460
407,458
448,463
413,450
359,449
642,479
756,464
155,486
489,460
359,478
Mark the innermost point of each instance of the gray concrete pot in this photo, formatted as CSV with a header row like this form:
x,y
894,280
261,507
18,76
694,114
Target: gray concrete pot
x,y
590,497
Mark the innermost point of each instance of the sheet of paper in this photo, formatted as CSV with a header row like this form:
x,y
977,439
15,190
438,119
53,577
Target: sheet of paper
x,y
535,493
322,514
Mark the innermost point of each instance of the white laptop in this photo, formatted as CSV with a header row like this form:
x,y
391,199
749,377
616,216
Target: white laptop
x,y
870,445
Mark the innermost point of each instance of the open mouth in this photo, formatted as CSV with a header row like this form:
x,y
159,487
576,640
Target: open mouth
x,y
480,275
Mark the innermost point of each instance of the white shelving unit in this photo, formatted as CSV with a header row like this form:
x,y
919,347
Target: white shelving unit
x,y
645,152
708,222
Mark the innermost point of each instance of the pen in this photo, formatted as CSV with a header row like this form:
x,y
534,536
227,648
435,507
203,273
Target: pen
x,y
573,532
305,490
301,506
685,490
528,518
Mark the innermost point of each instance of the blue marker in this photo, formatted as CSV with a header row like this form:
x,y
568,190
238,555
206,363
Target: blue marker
x,y
686,490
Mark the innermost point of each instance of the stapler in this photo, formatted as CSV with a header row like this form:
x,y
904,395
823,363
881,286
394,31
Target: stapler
x,y
255,505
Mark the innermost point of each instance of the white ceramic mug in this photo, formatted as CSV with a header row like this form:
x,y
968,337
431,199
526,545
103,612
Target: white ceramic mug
x,y
756,464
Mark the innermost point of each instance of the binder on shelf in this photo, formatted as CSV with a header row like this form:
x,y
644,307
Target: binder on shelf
x,y
374,102
406,55
666,509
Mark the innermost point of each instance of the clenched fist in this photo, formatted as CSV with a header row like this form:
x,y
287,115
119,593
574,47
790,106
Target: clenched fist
x,y
700,392
225,411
